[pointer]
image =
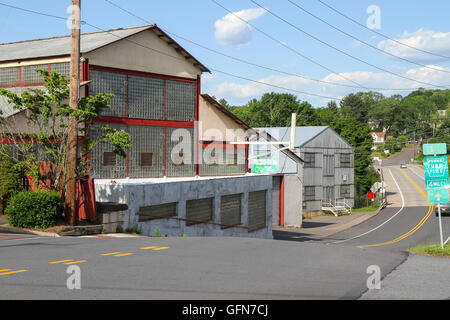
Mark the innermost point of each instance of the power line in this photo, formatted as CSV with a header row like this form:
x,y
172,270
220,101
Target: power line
x,y
288,47
381,34
251,63
178,58
364,42
342,51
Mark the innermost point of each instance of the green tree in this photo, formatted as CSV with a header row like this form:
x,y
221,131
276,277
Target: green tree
x,y
45,114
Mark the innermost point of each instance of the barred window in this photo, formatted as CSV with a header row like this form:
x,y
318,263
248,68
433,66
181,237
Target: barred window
x,y
345,191
345,160
328,165
310,160
147,159
109,159
310,193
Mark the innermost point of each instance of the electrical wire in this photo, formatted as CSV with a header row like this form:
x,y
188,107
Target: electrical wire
x,y
343,52
381,34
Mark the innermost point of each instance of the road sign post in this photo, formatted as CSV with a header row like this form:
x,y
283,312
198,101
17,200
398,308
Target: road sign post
x,y
436,177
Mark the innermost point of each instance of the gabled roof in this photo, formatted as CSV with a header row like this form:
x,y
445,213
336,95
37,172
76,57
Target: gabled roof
x,y
303,135
60,46
227,112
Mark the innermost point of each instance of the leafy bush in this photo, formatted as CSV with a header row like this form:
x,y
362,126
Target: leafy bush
x,y
10,180
29,209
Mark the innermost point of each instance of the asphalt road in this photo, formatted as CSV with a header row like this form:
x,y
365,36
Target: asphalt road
x,y
224,268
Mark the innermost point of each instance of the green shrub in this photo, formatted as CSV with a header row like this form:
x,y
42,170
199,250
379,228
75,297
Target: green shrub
x,y
29,209
10,180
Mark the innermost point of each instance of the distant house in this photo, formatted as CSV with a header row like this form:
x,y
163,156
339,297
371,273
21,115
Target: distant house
x,y
379,137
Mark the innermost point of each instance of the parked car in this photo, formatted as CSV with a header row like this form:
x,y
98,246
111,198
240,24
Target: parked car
x,y
403,165
445,209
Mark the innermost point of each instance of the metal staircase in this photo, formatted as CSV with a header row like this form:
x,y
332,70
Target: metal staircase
x,y
337,207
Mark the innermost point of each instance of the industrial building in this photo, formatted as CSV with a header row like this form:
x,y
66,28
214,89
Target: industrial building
x,y
179,175
327,174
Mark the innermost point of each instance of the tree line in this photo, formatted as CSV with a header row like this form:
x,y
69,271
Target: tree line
x,y
422,115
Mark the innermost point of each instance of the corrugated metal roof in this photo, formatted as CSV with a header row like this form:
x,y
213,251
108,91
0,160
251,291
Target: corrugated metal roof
x,y
302,134
6,108
60,46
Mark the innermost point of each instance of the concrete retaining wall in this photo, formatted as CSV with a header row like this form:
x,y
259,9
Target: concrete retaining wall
x,y
140,194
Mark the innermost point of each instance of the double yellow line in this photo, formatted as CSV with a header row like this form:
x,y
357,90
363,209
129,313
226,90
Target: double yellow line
x,y
417,227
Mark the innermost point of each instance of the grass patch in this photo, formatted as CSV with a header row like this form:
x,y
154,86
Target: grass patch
x,y
432,249
365,209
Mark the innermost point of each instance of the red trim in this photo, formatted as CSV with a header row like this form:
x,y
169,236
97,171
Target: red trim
x,y
23,84
165,147
145,122
164,99
140,73
282,202
20,74
127,111
197,117
48,68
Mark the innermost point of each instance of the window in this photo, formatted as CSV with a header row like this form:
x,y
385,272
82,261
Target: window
x,y
310,193
109,159
328,165
310,160
147,159
345,191
345,160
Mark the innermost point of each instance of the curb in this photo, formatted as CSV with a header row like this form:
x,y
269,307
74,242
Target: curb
x,y
9,229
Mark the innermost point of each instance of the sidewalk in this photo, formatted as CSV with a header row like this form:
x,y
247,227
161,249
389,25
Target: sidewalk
x,y
6,228
320,227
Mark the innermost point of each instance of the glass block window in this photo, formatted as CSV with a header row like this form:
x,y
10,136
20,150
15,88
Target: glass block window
x,y
29,74
62,68
309,194
310,160
146,156
180,101
180,156
146,98
108,82
9,76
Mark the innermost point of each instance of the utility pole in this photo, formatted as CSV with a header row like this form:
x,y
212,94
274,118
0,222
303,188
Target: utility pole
x,y
71,208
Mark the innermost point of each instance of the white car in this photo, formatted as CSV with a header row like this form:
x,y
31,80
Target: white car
x,y
403,165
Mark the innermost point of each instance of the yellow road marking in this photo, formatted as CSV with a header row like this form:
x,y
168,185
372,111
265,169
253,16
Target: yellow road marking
x,y
146,248
2,270
123,254
417,227
61,261
161,248
73,262
110,254
11,272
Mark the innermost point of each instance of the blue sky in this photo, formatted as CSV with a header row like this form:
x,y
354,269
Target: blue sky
x,y
422,24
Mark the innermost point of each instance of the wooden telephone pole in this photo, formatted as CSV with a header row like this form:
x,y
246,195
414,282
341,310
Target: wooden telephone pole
x,y
71,208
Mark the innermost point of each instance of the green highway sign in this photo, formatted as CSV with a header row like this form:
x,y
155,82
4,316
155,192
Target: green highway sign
x,y
436,172
434,148
265,166
438,196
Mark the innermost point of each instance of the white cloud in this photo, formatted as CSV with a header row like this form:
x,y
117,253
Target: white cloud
x,y
240,93
427,40
233,32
